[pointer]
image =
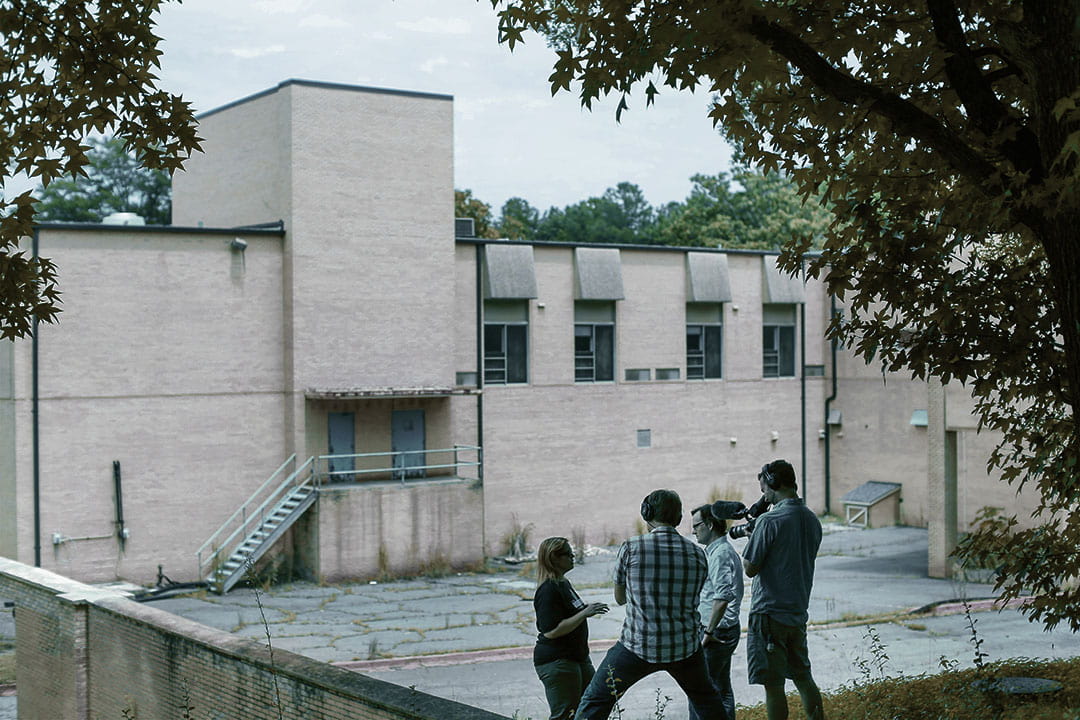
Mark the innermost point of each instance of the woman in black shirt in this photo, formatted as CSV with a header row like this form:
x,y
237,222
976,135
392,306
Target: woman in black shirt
x,y
561,655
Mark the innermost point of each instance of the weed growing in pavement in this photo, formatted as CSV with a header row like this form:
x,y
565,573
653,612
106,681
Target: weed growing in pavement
x,y
516,540
613,686
577,543
270,646
662,702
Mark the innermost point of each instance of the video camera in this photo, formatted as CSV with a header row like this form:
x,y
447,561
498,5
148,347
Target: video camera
x,y
726,509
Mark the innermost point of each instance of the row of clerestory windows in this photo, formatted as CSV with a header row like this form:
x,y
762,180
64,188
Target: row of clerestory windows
x,y
506,342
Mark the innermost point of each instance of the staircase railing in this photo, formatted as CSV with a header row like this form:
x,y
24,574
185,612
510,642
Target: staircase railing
x,y
459,461
253,512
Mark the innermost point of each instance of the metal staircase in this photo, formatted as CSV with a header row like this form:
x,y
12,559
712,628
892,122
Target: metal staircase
x,y
256,525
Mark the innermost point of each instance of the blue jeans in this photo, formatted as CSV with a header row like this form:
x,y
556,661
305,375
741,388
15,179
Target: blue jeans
x,y
718,661
622,668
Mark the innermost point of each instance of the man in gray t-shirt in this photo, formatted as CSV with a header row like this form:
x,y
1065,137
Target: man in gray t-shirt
x,y
780,558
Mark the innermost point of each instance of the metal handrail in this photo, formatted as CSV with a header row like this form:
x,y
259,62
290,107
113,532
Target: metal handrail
x,y
397,469
241,509
259,513
313,471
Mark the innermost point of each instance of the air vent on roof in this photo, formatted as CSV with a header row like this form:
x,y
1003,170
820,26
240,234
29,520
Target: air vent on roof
x,y
464,227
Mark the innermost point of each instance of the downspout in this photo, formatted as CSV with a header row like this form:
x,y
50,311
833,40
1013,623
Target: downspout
x,y
480,357
34,423
802,383
828,402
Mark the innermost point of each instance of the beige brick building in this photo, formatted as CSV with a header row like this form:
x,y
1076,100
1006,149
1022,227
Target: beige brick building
x,y
313,301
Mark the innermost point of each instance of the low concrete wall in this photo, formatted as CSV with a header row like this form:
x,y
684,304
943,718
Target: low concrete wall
x,y
84,653
399,528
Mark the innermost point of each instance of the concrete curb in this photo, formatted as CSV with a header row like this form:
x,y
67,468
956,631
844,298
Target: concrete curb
x,y
524,652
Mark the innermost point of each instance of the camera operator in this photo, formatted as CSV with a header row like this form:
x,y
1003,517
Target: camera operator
x,y
780,558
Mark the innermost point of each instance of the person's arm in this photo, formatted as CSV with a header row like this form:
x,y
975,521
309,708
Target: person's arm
x,y
718,609
750,568
568,625
620,594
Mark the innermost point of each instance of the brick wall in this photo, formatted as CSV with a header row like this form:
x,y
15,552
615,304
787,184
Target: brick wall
x,y
84,653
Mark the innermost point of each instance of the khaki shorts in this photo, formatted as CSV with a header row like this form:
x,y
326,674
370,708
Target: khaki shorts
x,y
775,651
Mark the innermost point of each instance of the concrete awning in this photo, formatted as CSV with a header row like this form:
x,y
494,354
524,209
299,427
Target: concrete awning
x,y
598,274
707,278
385,392
779,287
509,272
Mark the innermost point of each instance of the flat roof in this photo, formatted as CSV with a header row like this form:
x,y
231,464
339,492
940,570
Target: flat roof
x,y
327,86
274,228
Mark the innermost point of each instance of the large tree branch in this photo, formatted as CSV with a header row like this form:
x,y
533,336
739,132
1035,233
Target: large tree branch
x,y
906,117
976,93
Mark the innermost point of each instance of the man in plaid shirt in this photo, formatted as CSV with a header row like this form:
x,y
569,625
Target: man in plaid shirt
x,y
658,577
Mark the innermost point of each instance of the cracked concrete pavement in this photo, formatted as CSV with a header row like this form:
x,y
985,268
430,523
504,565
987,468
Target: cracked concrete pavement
x,y
469,636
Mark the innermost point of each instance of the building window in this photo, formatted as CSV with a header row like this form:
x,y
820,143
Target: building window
x,y
506,341
594,341
778,341
704,341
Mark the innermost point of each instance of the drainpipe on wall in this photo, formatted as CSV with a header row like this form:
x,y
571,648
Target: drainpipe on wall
x,y
34,424
480,358
828,402
802,381
802,391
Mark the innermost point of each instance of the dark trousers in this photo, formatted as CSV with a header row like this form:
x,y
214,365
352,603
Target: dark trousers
x,y
622,668
718,662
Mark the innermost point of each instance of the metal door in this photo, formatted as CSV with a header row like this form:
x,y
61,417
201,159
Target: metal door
x,y
407,439
341,435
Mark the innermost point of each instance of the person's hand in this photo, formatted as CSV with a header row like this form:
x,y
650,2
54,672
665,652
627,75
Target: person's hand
x,y
595,609
707,640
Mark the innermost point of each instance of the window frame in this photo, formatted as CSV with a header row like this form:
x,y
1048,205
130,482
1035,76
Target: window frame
x,y
590,357
693,370
499,363
772,346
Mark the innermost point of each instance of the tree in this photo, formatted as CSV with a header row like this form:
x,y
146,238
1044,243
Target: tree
x,y
747,209
114,182
72,68
620,215
466,206
518,219
946,136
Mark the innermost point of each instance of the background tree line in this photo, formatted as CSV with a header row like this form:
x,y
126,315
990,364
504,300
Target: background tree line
x,y
745,208
741,209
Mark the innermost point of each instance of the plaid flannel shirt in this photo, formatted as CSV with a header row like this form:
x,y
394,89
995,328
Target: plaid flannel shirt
x,y
663,574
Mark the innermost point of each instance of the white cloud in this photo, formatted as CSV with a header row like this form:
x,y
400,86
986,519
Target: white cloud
x,y
442,26
319,20
278,7
249,53
431,64
377,35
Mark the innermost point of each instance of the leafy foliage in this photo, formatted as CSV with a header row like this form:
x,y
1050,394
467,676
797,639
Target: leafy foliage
x,y
620,215
744,209
747,209
946,137
70,69
518,219
115,181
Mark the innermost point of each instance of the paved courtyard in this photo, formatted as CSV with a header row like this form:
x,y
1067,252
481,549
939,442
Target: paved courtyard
x,y
469,637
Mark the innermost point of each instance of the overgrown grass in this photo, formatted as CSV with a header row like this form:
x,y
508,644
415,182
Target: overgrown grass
x,y
949,695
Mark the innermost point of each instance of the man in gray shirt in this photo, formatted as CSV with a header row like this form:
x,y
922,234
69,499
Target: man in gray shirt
x,y
780,558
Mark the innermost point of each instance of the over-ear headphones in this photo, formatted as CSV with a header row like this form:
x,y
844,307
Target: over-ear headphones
x,y
769,479
648,512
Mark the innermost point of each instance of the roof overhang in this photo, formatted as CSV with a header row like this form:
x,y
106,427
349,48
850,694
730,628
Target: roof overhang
x,y
374,393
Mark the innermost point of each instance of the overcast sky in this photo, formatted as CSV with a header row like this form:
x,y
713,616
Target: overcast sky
x,y
511,137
